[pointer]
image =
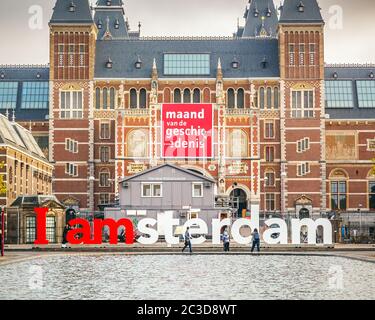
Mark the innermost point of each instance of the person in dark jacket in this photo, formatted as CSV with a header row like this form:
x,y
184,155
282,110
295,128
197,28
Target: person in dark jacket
x,y
187,240
226,240
65,234
256,240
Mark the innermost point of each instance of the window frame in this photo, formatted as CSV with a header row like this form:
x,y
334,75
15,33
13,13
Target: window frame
x,y
193,185
152,189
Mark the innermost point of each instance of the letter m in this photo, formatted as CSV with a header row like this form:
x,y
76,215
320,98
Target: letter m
x,y
113,229
312,227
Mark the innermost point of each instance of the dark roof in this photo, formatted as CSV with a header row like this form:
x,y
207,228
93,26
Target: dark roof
x,y
108,19
114,3
248,52
81,14
35,201
352,73
257,19
20,74
291,14
200,176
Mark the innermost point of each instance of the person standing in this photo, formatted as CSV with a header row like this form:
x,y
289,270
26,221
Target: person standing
x,y
187,240
226,241
256,240
65,235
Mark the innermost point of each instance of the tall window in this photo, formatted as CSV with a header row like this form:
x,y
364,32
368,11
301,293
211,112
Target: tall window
x,y
177,96
371,196
105,98
104,177
303,104
270,179
276,99
269,132
35,95
291,55
261,98
97,98
187,96
186,64
51,229
197,96
231,98
240,98
312,54
112,96
338,195
30,229
197,190
143,99
104,198
8,95
71,105
270,154
301,54
270,202
71,170
133,99
105,130
104,154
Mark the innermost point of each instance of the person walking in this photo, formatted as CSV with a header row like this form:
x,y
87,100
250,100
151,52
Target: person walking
x,y
65,234
256,240
187,240
226,241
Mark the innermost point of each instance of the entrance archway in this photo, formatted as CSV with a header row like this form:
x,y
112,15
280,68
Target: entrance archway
x,y
240,197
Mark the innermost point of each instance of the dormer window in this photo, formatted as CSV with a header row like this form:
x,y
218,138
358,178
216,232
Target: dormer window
x,y
256,12
335,75
371,75
109,2
235,63
100,24
301,7
138,63
2,75
268,13
264,63
72,7
109,63
117,24
38,75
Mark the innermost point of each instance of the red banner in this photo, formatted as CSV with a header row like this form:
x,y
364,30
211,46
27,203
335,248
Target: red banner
x,y
187,131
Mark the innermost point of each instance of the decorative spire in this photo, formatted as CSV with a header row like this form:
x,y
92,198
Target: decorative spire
x,y
154,70
219,75
107,35
7,113
13,115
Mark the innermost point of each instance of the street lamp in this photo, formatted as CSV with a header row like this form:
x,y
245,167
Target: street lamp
x,y
360,218
2,230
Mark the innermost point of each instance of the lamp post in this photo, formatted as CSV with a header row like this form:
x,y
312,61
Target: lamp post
x,y
360,218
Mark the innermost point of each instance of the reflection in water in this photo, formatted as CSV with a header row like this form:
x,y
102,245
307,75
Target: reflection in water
x,y
203,277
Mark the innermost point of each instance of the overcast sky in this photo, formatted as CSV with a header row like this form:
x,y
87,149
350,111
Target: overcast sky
x,y
350,25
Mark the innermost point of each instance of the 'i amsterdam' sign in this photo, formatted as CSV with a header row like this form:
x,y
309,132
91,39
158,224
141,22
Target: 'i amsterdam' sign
x,y
187,130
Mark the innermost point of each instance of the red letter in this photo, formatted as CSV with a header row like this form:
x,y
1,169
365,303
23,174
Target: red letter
x,y
41,230
113,230
84,231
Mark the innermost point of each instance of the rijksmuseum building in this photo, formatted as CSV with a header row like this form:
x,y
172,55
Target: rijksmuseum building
x,y
292,134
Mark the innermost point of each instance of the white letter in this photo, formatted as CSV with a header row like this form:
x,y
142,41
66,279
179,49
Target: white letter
x,y
238,224
312,227
282,230
165,226
217,225
36,20
143,227
197,226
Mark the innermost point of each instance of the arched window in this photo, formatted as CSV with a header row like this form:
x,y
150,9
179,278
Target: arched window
x,y
105,98
112,98
276,98
97,98
237,145
143,98
133,99
197,96
177,96
261,98
338,189
187,96
137,142
230,98
269,178
240,99
269,98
